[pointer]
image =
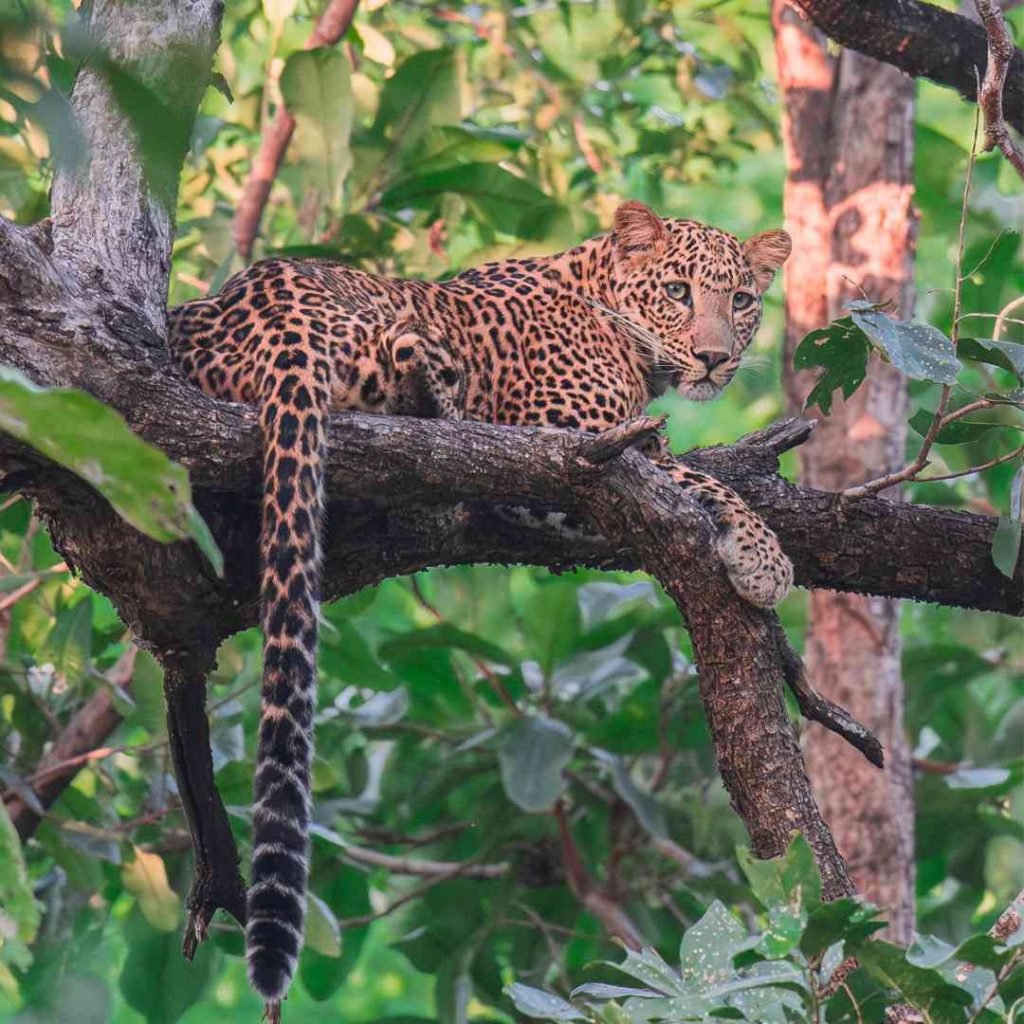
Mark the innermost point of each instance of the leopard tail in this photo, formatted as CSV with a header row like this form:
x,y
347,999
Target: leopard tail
x,y
293,417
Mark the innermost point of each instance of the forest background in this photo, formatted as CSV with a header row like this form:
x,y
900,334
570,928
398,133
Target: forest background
x,y
432,139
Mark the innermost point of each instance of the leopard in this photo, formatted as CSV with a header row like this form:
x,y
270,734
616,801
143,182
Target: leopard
x,y
581,340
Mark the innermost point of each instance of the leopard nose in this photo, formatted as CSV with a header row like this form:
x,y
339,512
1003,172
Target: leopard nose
x,y
712,358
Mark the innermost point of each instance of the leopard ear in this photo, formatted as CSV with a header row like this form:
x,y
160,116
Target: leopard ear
x,y
765,253
639,233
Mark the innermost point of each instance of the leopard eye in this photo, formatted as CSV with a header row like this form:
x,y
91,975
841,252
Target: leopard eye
x,y
678,290
741,300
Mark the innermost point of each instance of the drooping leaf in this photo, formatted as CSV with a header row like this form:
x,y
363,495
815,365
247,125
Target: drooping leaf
x,y
646,807
146,876
1006,545
842,350
19,915
422,94
69,645
921,351
533,752
83,435
156,979
322,931
1008,355
317,91
498,197
541,1005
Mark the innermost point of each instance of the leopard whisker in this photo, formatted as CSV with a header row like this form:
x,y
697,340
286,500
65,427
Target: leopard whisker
x,y
650,342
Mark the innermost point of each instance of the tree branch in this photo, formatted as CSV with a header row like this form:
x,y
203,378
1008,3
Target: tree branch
x,y
990,98
921,39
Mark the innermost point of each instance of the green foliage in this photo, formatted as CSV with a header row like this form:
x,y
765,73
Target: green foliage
x,y
453,137
727,971
85,436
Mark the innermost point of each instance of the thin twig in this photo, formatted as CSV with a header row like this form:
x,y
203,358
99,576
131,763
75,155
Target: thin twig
x,y
990,96
998,461
329,28
911,471
423,868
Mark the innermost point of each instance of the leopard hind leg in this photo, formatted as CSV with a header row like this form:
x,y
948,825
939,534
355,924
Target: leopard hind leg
x,y
426,377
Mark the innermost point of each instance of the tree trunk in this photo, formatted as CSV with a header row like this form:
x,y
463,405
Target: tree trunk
x,y
849,148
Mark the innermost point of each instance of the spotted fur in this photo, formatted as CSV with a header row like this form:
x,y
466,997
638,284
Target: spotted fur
x,y
583,339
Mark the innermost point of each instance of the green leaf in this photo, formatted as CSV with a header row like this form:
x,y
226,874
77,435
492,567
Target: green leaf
x,y
1006,545
791,878
921,351
323,933
708,947
541,1005
1008,355
444,635
496,196
19,916
81,434
842,350
69,645
422,94
648,966
533,752
923,988
644,806
317,92
156,979
957,432
146,876
837,921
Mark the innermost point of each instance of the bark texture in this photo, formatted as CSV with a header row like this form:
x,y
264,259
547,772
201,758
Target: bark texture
x,y
849,145
920,39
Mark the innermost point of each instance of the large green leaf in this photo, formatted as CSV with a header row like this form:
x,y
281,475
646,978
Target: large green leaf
x,y
841,350
541,1005
498,197
421,95
317,91
156,979
1006,354
921,351
533,752
94,442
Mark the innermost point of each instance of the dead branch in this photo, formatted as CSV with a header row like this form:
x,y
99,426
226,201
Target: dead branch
x,y
920,39
329,28
990,98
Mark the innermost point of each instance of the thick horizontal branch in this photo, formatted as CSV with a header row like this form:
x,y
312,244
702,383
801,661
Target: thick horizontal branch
x,y
921,39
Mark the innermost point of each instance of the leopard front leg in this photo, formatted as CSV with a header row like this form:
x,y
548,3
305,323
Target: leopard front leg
x,y
758,568
425,378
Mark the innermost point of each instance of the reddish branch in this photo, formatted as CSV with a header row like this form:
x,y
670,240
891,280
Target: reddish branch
x,y
330,27
990,98
82,736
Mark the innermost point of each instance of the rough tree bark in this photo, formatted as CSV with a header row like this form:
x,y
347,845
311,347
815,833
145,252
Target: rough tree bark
x,y
848,130
406,494
921,39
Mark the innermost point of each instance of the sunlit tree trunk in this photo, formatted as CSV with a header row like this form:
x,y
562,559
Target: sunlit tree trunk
x,y
848,128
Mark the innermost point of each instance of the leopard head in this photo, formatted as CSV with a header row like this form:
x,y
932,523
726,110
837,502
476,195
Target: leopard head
x,y
689,295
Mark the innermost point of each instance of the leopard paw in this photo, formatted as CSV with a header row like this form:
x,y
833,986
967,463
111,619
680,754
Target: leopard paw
x,y
758,568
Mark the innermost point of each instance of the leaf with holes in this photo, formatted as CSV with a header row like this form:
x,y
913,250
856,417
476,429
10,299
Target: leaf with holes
x,y
921,351
841,350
